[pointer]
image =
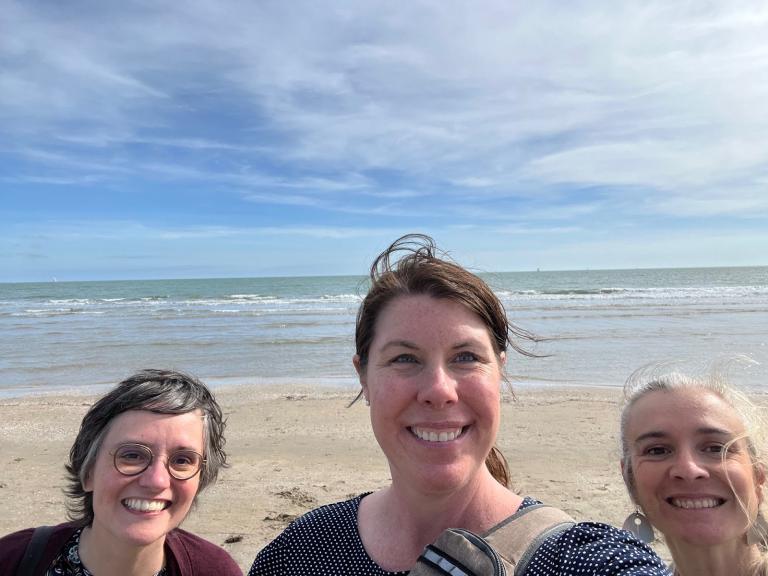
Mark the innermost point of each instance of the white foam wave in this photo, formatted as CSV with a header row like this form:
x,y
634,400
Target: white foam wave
x,y
666,293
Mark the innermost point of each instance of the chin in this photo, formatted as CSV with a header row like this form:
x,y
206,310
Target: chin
x,y
706,536
445,479
145,535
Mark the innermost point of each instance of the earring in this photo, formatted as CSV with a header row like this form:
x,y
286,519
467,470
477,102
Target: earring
x,y
758,532
639,526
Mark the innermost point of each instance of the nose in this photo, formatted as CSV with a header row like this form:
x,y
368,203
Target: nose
x,y
156,475
438,388
686,466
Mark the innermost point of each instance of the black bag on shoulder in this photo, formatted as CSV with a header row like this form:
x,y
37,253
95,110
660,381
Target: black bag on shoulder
x,y
505,550
34,550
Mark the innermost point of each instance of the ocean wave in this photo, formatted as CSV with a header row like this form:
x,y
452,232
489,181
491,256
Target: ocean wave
x,y
256,297
616,293
248,304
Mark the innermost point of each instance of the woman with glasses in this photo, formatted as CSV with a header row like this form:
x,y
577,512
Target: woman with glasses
x,y
143,453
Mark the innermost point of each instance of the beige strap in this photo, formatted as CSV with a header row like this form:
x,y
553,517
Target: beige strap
x,y
517,538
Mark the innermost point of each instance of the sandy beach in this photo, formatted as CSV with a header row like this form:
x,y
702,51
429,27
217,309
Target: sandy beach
x,y
292,450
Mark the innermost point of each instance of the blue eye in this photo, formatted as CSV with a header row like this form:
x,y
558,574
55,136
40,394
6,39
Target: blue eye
x,y
466,357
404,359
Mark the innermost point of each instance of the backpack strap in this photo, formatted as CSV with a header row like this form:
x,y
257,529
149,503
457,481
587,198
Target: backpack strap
x,y
517,538
34,550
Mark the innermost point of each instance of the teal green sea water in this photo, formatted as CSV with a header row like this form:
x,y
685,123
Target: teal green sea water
x,y
599,325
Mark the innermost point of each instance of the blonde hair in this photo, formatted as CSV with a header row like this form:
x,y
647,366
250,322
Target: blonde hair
x,y
659,378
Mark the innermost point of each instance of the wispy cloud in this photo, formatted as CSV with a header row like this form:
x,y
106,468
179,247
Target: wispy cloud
x,y
421,114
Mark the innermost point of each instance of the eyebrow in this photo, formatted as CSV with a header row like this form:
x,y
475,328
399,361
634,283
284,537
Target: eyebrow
x,y
399,344
472,343
154,447
706,430
411,346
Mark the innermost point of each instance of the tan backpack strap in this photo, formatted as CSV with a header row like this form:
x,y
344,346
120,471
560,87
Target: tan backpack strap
x,y
517,538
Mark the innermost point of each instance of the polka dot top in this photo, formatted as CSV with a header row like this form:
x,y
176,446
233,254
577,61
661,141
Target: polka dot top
x,y
325,542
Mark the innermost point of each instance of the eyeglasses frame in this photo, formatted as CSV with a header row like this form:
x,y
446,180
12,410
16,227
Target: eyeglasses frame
x,y
203,461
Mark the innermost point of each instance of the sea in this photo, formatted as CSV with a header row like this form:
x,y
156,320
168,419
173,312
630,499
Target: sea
x,y
595,328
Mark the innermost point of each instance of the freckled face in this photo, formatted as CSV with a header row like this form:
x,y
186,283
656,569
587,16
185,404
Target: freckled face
x,y
140,510
433,382
682,483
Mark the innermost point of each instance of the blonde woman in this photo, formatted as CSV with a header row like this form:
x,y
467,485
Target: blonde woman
x,y
693,461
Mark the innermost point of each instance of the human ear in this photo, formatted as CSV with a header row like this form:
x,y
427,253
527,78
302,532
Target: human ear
x,y
759,482
88,483
360,369
626,475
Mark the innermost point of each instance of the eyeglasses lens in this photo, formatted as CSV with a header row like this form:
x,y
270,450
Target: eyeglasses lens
x,y
133,459
184,464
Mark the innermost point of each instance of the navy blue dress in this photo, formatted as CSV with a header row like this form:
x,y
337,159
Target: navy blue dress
x,y
325,542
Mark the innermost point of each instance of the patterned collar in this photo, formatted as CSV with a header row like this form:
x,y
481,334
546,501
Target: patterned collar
x,y
68,562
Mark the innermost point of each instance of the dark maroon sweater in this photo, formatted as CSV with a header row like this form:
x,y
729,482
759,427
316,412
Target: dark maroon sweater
x,y
185,553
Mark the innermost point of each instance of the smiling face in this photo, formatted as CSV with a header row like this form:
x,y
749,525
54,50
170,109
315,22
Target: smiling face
x,y
433,382
140,510
676,440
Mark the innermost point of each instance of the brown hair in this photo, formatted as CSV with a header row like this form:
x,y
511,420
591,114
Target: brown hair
x,y
159,391
411,265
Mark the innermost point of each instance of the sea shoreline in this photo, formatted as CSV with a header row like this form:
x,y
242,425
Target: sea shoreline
x,y
594,327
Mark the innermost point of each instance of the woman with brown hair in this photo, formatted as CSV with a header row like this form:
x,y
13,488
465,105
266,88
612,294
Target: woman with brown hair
x,y
143,453
431,345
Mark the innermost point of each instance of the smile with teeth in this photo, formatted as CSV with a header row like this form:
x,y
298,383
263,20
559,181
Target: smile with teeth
x,y
436,435
696,503
142,505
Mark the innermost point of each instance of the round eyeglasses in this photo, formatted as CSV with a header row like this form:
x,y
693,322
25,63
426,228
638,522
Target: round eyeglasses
x,y
133,459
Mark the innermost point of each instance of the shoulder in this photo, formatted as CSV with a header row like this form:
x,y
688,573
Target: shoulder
x,y
327,530
196,555
595,548
13,546
339,517
344,512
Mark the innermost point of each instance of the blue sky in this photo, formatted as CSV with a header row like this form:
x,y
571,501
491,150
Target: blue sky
x,y
222,138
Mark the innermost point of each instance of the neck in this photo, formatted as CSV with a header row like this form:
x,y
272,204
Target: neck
x,y
102,555
396,523
735,558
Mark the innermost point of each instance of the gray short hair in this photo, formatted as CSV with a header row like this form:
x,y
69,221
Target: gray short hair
x,y
159,391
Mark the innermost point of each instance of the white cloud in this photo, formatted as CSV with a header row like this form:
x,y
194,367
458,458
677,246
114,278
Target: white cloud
x,y
438,109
